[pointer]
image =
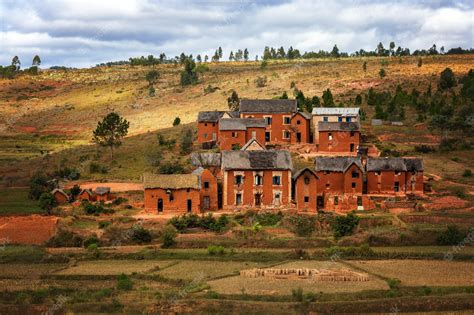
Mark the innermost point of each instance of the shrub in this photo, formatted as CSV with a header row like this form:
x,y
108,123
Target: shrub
x,y
425,148
351,251
168,237
261,81
104,224
467,173
212,294
90,241
447,79
95,209
176,121
300,254
118,201
74,191
124,282
39,184
38,296
451,236
47,202
382,73
97,168
393,283
269,218
64,238
303,225
297,294
216,250
207,222
426,290
171,168
344,225
140,235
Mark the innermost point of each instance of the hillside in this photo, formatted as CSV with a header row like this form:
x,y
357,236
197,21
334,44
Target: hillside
x,y
47,120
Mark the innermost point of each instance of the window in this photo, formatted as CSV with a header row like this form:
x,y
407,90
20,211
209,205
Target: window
x,y
354,185
258,180
339,119
276,199
267,136
306,180
336,200
205,124
397,173
377,173
396,188
170,197
352,133
238,179
188,189
306,199
205,136
355,174
286,134
298,122
326,172
206,185
327,185
325,119
348,119
330,136
351,147
268,120
207,202
286,120
213,124
234,134
254,134
238,199
276,180
359,201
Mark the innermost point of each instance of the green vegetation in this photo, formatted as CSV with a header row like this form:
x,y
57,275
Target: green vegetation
x,y
16,201
206,222
110,131
345,225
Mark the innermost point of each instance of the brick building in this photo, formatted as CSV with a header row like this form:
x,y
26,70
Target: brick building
x,y
86,194
103,194
60,196
394,176
333,114
256,178
281,119
207,160
208,125
305,189
339,137
234,133
208,192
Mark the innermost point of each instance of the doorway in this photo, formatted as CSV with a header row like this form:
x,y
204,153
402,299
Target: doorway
x,y
190,205
160,205
206,203
320,202
258,200
298,137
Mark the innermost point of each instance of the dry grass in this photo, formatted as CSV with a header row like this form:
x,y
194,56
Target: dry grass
x,y
266,286
114,267
28,270
422,272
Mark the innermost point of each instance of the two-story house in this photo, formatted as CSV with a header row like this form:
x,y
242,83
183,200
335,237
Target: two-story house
x,y
333,114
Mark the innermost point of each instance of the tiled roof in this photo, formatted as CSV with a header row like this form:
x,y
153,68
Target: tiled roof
x,y
241,123
210,116
205,159
256,160
338,126
301,171
102,190
336,111
336,164
268,106
386,164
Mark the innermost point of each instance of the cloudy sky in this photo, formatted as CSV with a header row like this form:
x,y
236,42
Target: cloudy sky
x,y
82,33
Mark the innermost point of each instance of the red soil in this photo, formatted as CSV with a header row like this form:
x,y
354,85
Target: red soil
x,y
114,187
33,229
445,203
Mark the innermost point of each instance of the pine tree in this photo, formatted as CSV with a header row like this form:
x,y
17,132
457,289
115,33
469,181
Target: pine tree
x,y
246,54
110,131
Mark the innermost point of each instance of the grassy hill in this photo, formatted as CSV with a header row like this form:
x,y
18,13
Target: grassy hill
x,y
47,120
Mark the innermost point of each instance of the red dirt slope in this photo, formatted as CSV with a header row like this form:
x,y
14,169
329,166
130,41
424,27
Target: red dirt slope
x,y
32,229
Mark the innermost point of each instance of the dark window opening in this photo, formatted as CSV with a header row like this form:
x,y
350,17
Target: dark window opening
x,y
267,136
206,185
336,200
276,180
354,185
306,199
355,174
238,199
238,179
306,180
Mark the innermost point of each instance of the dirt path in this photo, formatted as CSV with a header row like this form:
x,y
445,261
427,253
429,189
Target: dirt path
x,y
32,229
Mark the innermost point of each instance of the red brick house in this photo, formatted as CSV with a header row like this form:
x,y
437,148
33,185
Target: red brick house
x,y
256,178
208,189
305,183
86,194
333,114
339,137
208,126
394,176
234,133
60,196
103,194
172,193
341,182
301,128
208,160
280,117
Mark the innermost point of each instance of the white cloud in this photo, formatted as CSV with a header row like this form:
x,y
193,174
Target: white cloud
x,y
86,32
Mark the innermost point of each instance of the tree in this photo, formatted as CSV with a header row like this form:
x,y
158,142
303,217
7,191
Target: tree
x,y
36,61
74,191
168,236
447,79
206,58
382,73
380,50
284,96
198,58
364,66
392,47
39,184
47,202
239,54
16,63
281,53
246,54
187,142
231,56
151,91
220,52
176,121
335,52
345,225
233,101
110,131
328,99
152,76
189,75
420,62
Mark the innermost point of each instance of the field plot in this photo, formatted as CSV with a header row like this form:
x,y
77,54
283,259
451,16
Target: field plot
x,y
190,270
422,272
16,201
34,229
114,267
266,286
28,270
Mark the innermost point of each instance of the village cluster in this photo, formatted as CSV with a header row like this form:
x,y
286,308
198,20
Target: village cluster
x,y
246,161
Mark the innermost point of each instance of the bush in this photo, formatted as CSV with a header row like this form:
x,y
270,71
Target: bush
x,y
451,236
168,237
351,251
216,250
39,184
345,225
447,79
269,218
95,209
90,241
140,235
104,224
393,283
47,202
297,294
425,148
300,254
207,222
97,168
124,282
382,73
303,225
176,121
261,81
74,191
171,168
118,201
64,238
467,173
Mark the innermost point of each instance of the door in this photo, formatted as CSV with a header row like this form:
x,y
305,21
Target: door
x,y
207,202
396,188
190,205
160,205
267,136
320,202
298,137
258,200
351,147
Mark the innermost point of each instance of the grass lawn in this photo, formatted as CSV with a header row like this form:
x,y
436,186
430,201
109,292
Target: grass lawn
x,y
16,201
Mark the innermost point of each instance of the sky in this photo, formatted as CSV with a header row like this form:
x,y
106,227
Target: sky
x,y
83,33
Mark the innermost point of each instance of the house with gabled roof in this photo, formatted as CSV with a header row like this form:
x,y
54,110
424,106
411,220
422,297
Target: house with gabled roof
x,y
333,114
208,125
339,137
103,194
253,145
86,194
60,196
234,133
281,119
305,189
256,178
